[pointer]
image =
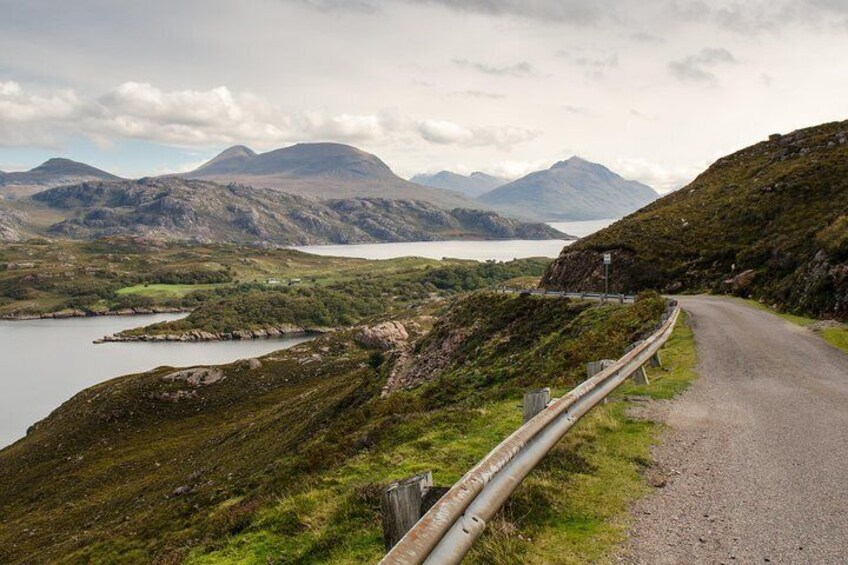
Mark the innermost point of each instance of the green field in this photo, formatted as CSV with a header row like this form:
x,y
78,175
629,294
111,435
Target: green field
x,y
164,291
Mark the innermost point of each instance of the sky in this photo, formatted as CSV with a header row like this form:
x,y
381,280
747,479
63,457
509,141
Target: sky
x,y
655,90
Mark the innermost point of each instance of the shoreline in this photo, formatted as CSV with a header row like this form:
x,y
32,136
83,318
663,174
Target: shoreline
x,y
76,313
202,335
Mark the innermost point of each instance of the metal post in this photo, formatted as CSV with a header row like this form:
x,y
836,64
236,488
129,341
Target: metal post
x,y
606,280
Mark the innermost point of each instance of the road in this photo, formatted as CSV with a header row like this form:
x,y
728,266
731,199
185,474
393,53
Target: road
x,y
756,457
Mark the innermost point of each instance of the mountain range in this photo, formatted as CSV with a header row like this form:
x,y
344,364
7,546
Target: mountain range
x,y
172,208
321,170
51,173
574,189
769,221
472,185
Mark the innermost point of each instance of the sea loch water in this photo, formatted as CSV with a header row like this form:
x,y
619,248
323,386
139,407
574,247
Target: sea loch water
x,y
45,362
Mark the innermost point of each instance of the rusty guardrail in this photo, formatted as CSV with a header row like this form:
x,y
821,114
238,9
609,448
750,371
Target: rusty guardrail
x,y
622,298
446,532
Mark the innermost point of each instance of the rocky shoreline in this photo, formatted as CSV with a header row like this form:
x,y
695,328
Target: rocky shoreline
x,y
201,335
76,313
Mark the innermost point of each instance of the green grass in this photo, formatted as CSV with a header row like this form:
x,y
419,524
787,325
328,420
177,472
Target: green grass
x,y
837,337
571,509
164,291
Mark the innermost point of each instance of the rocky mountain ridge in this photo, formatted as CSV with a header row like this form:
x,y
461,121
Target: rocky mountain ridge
x,y
178,209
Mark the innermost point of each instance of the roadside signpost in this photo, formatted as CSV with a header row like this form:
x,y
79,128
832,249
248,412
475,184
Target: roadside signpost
x,y
607,262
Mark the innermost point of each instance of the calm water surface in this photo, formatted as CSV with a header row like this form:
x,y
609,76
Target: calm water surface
x,y
45,362
478,250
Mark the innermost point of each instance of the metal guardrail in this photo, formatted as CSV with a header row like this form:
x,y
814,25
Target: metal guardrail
x,y
446,532
622,298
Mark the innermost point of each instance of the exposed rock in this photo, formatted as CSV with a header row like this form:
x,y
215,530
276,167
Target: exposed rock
x,y
742,282
254,363
197,376
385,336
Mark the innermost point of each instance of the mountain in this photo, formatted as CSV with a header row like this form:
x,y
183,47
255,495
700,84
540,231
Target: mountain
x,y
321,170
179,209
51,173
770,221
472,185
574,189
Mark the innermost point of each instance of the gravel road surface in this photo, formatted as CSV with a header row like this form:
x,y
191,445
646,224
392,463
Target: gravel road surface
x,y
756,459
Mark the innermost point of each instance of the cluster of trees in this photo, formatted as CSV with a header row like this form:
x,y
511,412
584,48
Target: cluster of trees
x,y
253,305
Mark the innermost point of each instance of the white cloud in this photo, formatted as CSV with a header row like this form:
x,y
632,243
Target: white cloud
x,y
204,118
658,177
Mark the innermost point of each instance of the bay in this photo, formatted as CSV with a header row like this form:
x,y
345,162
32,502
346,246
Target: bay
x,y
45,362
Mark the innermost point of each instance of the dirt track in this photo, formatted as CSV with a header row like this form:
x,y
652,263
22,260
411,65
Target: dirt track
x,y
757,456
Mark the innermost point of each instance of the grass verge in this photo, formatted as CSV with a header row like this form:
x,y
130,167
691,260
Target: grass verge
x,y
836,336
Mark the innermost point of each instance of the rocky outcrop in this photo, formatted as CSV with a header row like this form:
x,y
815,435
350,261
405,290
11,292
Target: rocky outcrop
x,y
201,335
77,313
385,336
412,368
196,376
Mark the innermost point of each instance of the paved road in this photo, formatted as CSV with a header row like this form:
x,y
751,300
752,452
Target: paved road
x,y
757,456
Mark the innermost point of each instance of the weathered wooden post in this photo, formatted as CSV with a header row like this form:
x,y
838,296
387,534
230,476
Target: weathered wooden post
x,y
639,377
595,367
655,360
535,401
403,506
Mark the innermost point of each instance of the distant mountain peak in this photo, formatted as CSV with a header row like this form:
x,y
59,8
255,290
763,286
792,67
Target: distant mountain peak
x,y
236,151
573,189
574,160
473,185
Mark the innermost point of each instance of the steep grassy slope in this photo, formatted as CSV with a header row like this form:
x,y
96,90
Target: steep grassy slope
x,y
152,468
770,221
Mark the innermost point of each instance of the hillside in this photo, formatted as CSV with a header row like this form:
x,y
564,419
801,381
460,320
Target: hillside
x,y
472,185
177,209
574,189
282,461
51,173
321,171
770,221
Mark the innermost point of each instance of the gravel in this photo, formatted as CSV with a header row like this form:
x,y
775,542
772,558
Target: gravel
x,y
756,458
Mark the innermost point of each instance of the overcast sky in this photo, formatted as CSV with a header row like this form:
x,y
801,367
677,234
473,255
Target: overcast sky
x,y
656,90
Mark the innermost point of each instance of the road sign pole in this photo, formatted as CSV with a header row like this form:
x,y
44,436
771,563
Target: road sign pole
x,y
607,262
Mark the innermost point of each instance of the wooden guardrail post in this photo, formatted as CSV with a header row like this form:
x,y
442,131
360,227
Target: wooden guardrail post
x,y
403,506
535,401
639,376
595,367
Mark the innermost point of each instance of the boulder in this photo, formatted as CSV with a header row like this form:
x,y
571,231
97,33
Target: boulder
x,y
385,336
